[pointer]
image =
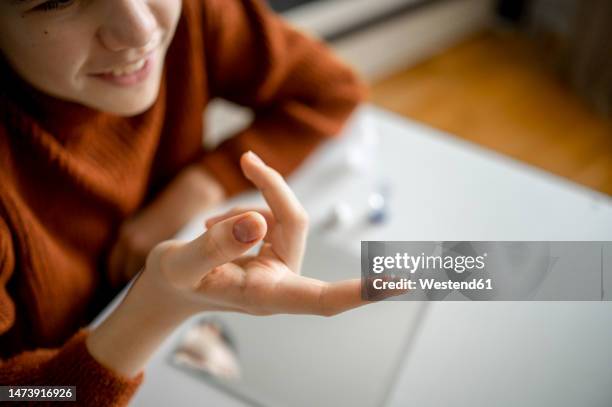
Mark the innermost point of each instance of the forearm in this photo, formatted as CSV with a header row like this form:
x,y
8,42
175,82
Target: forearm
x,y
283,137
126,340
300,92
192,191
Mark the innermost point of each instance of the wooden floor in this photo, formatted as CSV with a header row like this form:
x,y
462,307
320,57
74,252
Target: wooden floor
x,y
495,90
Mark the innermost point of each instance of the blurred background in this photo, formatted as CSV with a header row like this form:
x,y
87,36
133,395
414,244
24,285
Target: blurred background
x,y
531,79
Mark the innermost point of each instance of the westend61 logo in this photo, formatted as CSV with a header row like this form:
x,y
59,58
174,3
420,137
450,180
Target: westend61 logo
x,y
412,264
486,270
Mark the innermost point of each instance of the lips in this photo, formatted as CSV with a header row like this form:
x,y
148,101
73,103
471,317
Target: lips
x,y
128,74
126,69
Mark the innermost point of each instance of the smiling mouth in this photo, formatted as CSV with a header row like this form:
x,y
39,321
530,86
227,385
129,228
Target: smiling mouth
x,y
126,69
128,74
132,73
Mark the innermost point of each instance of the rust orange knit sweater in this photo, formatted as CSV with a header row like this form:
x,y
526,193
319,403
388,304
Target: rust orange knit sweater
x,y
70,175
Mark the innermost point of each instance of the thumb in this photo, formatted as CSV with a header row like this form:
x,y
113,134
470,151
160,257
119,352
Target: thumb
x,y
186,264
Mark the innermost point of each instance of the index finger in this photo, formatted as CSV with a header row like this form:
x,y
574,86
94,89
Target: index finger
x,y
280,198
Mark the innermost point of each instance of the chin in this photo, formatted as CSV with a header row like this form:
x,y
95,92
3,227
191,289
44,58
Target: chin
x,y
131,104
130,108
126,102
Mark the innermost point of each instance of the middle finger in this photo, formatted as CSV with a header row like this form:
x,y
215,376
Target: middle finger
x,y
289,214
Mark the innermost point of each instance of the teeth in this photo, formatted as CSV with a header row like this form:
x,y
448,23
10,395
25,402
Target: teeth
x,y
128,69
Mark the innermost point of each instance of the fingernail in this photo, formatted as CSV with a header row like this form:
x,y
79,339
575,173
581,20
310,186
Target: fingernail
x,y
255,158
246,230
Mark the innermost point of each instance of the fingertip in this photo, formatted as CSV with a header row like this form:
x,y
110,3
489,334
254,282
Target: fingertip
x,y
250,227
244,164
254,158
258,217
250,160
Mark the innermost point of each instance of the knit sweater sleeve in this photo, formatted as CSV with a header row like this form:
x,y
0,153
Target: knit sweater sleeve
x,y
300,92
69,365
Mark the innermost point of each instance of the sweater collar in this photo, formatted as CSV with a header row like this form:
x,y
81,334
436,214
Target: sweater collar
x,y
64,120
99,150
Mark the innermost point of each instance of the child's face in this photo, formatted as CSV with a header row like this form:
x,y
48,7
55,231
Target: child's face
x,y
105,54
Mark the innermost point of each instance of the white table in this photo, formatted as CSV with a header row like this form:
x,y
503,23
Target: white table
x,y
462,354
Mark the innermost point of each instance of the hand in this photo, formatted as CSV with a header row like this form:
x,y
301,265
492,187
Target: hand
x,y
192,191
212,273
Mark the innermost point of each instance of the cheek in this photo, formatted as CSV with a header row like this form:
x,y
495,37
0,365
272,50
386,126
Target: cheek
x,y
50,58
167,13
63,53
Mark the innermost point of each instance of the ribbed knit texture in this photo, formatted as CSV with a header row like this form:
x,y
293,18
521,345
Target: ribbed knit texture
x,y
69,175
70,365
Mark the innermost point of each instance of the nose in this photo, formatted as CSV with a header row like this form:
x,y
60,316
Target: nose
x,y
128,24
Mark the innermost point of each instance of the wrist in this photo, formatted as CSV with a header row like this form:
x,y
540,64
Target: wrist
x,y
126,340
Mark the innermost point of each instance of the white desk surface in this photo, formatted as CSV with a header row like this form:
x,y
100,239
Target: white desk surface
x,y
462,354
